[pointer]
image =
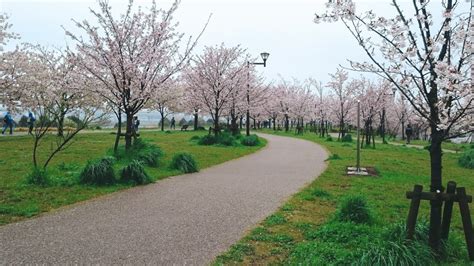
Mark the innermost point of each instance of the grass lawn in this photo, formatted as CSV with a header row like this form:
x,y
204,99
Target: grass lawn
x,y
19,200
298,233
446,144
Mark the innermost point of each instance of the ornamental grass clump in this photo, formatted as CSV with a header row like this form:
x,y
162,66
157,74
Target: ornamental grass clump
x,y
347,138
184,162
354,208
251,140
99,172
467,159
135,173
38,177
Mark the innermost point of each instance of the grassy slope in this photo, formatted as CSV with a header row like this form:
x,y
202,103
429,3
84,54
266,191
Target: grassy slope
x,y
399,169
19,200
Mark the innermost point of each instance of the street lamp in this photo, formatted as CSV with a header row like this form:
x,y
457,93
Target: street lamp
x,y
264,56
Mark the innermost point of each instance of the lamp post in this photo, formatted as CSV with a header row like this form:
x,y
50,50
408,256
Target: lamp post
x,y
264,56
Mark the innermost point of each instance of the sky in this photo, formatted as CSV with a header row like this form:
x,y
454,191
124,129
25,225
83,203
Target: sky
x,y
298,47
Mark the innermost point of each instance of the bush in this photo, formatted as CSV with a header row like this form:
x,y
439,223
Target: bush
x,y
226,139
193,138
467,159
38,177
251,140
329,138
207,140
135,173
334,156
395,249
347,138
99,172
150,157
184,162
354,208
142,151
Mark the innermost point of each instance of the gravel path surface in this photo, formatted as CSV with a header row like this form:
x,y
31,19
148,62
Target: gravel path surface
x,y
187,219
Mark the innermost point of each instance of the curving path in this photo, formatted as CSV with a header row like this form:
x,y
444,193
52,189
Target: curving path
x,y
187,219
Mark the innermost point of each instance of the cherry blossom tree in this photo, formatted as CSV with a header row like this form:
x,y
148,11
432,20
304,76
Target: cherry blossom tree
x,y
321,106
10,63
215,76
343,93
271,107
40,90
428,62
131,55
167,100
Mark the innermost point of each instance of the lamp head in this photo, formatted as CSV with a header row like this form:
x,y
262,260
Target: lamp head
x,y
264,56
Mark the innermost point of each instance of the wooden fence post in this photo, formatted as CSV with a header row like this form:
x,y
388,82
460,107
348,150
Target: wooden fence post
x,y
466,221
413,213
448,211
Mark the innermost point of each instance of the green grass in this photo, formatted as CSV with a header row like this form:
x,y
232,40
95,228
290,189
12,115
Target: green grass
x,y
308,218
446,144
19,200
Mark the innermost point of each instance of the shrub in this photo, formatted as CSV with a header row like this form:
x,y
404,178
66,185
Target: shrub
x,y
354,208
99,172
184,162
334,156
151,157
329,138
38,177
142,151
195,138
395,249
207,140
347,138
251,140
135,173
226,139
467,159
346,234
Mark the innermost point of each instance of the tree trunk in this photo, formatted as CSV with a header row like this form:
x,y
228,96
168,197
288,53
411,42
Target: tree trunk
x,y
436,185
162,122
61,125
129,131
119,130
274,123
234,128
216,122
196,121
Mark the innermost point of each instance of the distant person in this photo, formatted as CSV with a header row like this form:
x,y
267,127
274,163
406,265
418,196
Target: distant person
x,y
7,123
136,124
173,123
408,133
31,123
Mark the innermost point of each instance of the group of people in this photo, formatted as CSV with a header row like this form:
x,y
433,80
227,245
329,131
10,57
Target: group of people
x,y
9,123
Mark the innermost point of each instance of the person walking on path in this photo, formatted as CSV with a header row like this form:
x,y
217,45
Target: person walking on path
x,y
408,133
31,123
173,123
7,123
136,124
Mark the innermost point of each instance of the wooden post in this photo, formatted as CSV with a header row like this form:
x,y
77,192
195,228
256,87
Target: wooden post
x,y
413,213
448,211
466,221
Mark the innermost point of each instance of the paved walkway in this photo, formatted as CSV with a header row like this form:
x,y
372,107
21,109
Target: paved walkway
x,y
187,219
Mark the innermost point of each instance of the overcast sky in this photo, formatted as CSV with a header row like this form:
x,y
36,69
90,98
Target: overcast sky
x,y
284,28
